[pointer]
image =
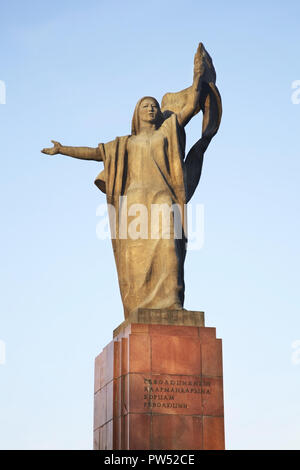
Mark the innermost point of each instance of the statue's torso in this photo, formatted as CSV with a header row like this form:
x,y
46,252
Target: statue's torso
x,y
143,152
145,183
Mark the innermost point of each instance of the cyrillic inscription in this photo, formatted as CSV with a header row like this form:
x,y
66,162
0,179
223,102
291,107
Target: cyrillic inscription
x,y
168,393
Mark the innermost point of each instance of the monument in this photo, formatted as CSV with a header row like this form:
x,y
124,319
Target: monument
x,y
158,384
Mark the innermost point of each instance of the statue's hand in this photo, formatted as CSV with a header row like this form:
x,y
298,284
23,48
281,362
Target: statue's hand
x,y
199,62
53,150
203,66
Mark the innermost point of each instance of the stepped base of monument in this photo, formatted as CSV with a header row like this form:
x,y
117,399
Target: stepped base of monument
x,y
159,385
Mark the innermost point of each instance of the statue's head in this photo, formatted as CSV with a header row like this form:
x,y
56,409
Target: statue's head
x,y
147,110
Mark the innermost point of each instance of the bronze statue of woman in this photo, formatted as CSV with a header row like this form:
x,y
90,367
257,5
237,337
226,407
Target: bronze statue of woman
x,y
148,168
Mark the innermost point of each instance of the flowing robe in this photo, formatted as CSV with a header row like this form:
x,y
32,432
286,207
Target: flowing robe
x,y
148,171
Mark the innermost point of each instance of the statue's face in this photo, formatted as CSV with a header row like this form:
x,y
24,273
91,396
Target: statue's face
x,y
148,110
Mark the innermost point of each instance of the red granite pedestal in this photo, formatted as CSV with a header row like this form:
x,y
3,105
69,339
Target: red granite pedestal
x,y
160,386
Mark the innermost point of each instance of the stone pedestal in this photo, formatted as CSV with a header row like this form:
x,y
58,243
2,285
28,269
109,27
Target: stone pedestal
x,y
159,385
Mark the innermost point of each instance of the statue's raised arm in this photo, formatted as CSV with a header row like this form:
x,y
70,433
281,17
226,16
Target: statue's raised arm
x,y
202,95
191,104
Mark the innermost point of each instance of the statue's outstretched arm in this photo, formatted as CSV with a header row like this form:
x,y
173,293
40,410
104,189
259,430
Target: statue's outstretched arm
x,y
84,153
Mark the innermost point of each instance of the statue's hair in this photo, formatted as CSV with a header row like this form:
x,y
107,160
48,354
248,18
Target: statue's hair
x,y
135,125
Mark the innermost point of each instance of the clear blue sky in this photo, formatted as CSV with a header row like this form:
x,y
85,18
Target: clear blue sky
x,y
73,72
